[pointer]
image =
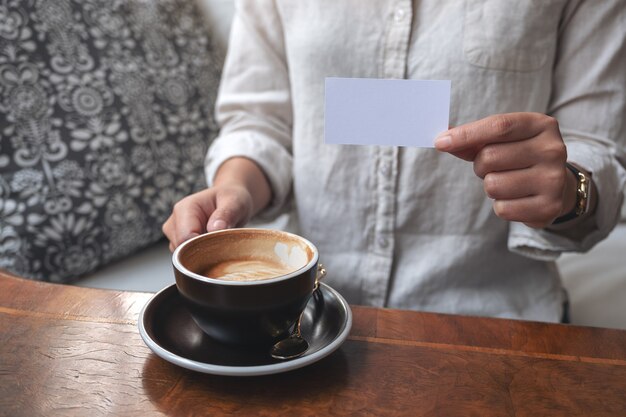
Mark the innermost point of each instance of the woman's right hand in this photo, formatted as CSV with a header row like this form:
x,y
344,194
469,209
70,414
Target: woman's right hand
x,y
219,207
240,191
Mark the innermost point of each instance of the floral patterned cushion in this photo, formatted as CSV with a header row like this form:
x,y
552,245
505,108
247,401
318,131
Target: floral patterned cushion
x,y
105,117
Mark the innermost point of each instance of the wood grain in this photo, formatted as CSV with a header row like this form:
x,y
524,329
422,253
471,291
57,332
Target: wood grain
x,y
75,351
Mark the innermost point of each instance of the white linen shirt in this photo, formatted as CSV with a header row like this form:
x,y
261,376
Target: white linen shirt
x,y
412,228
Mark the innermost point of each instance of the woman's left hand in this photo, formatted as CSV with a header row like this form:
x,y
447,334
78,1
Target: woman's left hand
x,y
521,159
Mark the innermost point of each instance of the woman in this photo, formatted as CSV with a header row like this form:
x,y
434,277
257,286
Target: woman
x,y
415,228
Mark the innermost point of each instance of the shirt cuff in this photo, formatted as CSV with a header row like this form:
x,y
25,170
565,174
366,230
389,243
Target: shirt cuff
x,y
273,159
608,176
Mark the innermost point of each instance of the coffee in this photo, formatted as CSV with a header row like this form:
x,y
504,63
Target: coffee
x,y
248,256
247,270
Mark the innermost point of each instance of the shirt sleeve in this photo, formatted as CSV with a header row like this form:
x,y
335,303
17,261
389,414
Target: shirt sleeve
x,y
588,100
254,107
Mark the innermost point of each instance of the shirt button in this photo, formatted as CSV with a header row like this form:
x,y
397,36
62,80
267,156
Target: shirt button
x,y
385,169
399,15
383,242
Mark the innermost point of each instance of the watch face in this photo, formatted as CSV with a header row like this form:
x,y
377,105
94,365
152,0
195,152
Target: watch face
x,y
582,194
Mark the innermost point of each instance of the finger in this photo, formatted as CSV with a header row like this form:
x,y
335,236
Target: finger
x,y
169,231
507,185
536,225
466,154
538,211
231,211
519,183
191,215
504,157
549,185
509,127
166,228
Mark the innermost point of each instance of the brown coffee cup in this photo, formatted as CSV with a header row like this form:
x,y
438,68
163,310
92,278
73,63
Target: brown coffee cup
x,y
246,286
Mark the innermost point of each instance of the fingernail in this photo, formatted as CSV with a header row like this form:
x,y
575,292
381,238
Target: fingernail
x,y
443,142
219,225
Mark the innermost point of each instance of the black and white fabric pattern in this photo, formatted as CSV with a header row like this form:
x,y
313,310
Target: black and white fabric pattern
x,y
106,112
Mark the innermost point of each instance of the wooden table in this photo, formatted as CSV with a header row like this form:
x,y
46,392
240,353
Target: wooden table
x,y
74,351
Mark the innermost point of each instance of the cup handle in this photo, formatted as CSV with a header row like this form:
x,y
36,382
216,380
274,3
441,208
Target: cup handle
x,y
321,273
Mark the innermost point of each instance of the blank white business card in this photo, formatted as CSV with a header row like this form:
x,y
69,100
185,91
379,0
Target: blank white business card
x,y
368,111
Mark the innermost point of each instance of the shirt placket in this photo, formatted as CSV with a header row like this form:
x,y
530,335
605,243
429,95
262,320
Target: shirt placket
x,y
382,245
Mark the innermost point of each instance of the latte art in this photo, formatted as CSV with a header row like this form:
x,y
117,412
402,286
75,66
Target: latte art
x,y
247,270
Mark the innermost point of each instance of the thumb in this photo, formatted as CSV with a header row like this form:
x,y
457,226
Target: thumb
x,y
466,154
230,212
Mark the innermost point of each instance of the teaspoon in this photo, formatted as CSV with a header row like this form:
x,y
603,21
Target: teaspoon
x,y
290,347
295,345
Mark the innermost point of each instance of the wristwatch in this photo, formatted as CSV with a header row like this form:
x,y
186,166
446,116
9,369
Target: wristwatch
x,y
583,195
